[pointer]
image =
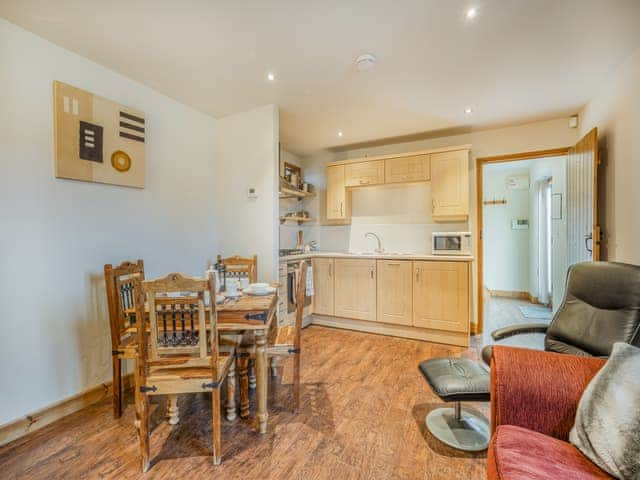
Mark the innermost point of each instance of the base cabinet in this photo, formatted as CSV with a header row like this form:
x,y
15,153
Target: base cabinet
x,y
323,286
441,296
355,288
395,292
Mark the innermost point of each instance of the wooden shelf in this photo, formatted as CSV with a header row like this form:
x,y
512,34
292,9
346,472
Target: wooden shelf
x,y
286,192
300,220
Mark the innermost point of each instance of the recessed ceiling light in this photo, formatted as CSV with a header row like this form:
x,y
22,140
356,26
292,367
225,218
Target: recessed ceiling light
x,y
340,133
271,76
471,13
468,110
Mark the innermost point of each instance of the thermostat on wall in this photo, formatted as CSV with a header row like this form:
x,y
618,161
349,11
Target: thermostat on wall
x,y
252,192
520,224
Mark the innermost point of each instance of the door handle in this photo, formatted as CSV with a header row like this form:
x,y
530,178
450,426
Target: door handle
x,y
588,237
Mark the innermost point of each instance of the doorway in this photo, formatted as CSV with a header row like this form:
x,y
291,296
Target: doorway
x,y
574,202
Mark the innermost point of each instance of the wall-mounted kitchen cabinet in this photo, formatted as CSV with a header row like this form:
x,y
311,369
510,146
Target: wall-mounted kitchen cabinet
x,y
446,168
323,286
364,173
338,204
450,185
412,168
355,288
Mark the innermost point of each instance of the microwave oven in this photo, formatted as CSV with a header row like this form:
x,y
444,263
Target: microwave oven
x,y
451,243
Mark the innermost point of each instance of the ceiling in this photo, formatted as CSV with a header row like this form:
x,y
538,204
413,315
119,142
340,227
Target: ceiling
x,y
518,60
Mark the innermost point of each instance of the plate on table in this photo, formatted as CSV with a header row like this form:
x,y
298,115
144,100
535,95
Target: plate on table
x,y
258,291
219,298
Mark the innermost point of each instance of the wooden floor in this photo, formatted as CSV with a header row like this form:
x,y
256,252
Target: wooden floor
x,y
362,417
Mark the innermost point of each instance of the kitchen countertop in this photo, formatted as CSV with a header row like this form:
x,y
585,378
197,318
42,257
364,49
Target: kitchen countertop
x,y
380,256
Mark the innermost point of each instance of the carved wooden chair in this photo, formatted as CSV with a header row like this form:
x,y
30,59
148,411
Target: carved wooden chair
x,y
237,267
119,282
178,355
283,341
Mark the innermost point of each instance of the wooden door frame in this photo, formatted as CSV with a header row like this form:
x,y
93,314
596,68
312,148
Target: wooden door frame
x,y
481,162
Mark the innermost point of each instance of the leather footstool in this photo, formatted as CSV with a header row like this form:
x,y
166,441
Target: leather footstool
x,y
458,380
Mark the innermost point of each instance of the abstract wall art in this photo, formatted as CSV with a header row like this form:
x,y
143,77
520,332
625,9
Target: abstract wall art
x,y
97,140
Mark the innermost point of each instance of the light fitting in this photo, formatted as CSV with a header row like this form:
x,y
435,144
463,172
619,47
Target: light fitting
x,y
468,110
340,133
471,13
271,76
366,62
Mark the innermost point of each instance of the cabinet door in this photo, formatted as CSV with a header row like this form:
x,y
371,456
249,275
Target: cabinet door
x,y
336,193
441,295
364,173
355,288
450,184
407,169
395,292
323,286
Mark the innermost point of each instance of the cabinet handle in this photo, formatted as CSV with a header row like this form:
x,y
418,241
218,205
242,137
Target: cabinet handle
x,y
330,269
364,182
371,273
341,214
393,264
417,274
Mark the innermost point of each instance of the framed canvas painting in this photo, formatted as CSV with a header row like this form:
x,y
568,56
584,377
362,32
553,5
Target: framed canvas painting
x,y
97,140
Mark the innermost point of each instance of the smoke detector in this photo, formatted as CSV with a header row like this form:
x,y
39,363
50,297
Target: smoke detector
x,y
365,62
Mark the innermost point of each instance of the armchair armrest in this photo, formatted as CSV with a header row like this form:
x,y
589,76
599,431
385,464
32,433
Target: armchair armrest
x,y
520,329
538,390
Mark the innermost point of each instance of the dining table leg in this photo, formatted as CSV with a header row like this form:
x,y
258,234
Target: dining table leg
x,y
262,363
173,414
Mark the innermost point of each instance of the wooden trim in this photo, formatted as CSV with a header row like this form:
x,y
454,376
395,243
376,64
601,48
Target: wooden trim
x,y
480,162
41,418
404,331
510,294
513,157
397,155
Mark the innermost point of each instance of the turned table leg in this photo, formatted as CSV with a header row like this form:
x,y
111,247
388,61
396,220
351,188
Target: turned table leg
x,y
231,392
172,409
262,365
243,363
252,375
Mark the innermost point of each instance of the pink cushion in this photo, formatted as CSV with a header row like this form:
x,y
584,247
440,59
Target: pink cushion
x,y
516,453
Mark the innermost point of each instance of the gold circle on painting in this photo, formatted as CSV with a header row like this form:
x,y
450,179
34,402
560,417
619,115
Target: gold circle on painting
x,y
121,161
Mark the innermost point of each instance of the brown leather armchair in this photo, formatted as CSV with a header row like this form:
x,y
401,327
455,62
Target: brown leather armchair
x,y
534,398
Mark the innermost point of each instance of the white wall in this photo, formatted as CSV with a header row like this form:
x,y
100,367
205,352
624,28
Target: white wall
x,y
246,150
56,235
506,251
615,110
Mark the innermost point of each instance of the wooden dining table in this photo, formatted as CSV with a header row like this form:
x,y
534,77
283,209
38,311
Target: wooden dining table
x,y
248,314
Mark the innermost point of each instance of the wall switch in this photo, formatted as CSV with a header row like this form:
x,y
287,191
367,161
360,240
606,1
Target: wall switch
x,y
252,192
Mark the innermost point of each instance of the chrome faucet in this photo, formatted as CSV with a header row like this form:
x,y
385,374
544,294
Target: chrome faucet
x,y
371,234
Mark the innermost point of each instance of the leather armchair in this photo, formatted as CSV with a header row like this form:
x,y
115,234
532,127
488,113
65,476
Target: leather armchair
x,y
534,399
601,306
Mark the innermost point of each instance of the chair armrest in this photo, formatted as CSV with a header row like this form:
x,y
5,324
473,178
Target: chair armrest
x,y
512,330
538,390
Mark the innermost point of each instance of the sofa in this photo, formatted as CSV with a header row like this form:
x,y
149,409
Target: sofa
x,y
534,398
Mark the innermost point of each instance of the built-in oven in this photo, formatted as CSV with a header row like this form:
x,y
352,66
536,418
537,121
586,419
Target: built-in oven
x,y
451,243
292,281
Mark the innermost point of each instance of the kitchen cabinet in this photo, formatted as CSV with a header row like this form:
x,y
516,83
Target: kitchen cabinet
x,y
441,296
355,288
395,292
364,173
414,168
338,207
323,286
450,185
